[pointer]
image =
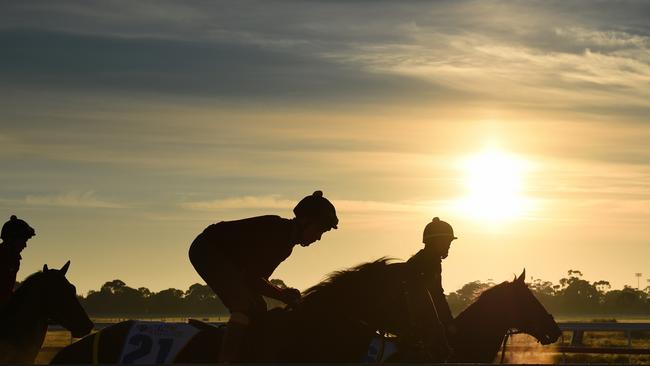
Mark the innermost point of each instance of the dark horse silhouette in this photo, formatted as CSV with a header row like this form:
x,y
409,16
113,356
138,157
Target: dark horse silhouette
x,y
481,327
339,317
43,296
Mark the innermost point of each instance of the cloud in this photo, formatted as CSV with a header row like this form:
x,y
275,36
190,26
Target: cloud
x,y
246,202
607,40
355,215
521,75
275,202
352,206
224,68
588,57
71,199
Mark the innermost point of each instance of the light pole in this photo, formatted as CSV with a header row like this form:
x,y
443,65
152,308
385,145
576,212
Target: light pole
x,y
638,278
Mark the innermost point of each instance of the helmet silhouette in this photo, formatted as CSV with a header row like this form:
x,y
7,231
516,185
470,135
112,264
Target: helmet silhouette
x,y
16,228
317,207
437,228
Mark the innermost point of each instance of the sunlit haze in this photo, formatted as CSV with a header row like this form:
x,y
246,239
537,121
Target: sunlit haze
x,y
494,182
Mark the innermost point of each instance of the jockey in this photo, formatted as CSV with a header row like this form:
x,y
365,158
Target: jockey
x,y
427,267
15,234
236,259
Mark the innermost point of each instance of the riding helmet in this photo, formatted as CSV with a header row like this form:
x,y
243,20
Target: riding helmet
x,y
16,228
317,207
437,228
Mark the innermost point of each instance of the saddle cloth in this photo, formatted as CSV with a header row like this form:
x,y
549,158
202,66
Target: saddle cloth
x,y
379,350
155,342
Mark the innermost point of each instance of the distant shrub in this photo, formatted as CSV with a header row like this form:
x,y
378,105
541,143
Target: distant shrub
x,y
601,320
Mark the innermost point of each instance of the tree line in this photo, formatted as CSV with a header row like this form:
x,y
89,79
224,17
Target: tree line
x,y
573,295
116,299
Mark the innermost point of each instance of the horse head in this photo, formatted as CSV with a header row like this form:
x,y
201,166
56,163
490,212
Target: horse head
x,y
62,303
529,315
482,326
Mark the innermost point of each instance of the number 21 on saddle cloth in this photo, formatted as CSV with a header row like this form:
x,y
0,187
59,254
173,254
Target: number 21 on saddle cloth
x,y
155,342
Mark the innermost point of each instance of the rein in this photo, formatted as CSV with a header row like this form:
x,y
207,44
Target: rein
x,y
509,333
407,283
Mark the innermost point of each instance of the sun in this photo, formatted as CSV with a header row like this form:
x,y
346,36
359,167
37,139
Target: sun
x,y
494,186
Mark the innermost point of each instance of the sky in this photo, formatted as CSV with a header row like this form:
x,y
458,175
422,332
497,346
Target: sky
x,y
128,127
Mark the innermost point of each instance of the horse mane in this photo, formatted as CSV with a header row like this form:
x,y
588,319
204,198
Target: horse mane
x,y
25,285
494,289
348,279
19,293
27,281
487,296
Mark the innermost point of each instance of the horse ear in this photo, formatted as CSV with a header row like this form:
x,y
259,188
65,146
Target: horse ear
x,y
65,267
45,269
522,276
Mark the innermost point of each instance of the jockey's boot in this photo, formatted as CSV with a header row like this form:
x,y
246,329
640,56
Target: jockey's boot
x,y
233,340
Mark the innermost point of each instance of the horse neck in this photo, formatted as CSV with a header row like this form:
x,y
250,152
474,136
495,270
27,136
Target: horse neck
x,y
375,300
333,303
26,323
329,326
480,330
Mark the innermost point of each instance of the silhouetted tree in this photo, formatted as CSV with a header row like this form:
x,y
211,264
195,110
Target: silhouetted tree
x,y
578,295
166,302
602,286
115,298
546,292
573,295
629,299
463,297
200,299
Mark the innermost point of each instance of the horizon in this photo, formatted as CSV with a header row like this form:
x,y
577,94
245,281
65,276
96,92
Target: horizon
x,y
488,281
127,128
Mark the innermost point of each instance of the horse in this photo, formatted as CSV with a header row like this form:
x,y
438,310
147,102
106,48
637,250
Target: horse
x,y
338,319
509,306
43,296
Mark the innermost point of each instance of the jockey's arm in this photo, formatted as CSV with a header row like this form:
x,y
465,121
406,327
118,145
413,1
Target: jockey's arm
x,y
265,288
257,279
289,296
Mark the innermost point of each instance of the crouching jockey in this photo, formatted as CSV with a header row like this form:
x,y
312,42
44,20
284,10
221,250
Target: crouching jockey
x,y
236,259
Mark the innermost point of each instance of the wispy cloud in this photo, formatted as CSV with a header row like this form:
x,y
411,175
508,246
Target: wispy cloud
x,y
537,54
275,202
71,199
353,206
247,202
522,74
611,40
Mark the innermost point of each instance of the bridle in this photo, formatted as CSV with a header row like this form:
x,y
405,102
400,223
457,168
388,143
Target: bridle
x,y
509,332
528,329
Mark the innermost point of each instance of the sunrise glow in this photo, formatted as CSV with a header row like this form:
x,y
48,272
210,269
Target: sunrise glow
x,y
494,182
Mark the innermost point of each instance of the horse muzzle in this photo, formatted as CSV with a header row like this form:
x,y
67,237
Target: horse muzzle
x,y
549,336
